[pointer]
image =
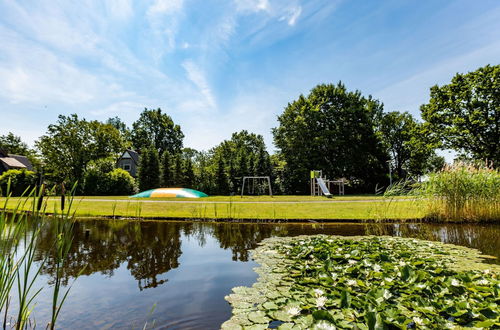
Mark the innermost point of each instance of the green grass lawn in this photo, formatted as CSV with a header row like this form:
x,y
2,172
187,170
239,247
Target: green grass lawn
x,y
223,207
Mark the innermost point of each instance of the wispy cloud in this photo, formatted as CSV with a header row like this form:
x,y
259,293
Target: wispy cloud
x,y
165,7
196,75
292,15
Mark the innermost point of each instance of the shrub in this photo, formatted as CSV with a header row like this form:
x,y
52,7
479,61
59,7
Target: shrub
x,y
20,180
120,182
464,192
95,179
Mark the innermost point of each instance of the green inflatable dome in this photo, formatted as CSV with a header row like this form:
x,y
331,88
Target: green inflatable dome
x,y
170,192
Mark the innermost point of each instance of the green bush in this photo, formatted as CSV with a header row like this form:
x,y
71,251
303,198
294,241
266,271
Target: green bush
x,y
464,192
20,180
120,182
101,179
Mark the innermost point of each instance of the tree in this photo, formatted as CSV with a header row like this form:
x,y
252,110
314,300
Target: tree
x,y
21,181
166,174
157,128
125,132
149,169
178,171
409,148
333,130
13,144
71,143
221,177
188,173
465,114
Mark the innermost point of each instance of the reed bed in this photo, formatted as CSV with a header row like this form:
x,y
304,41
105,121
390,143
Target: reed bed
x,y
463,192
19,234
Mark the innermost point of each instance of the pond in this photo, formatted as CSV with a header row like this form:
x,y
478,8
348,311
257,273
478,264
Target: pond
x,y
175,274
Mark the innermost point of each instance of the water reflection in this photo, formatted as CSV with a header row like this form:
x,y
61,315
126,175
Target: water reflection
x,y
150,249
186,268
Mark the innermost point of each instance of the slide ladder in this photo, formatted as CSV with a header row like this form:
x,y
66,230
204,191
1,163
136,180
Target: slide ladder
x,y
323,187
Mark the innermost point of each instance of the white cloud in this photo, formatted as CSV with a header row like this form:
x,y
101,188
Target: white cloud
x,y
196,75
165,7
292,15
121,9
252,5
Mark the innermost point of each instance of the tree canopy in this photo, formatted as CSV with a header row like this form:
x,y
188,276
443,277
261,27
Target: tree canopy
x,y
71,143
410,149
157,128
334,130
465,114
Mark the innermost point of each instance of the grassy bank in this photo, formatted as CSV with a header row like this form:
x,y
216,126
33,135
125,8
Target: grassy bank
x,y
265,207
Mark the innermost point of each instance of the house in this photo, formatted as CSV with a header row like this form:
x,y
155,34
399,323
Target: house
x,y
129,161
14,162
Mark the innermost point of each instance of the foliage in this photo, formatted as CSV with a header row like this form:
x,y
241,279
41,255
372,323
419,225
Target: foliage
x,y
21,264
166,173
13,144
125,132
156,128
465,113
71,143
149,169
120,182
334,130
464,192
19,180
409,148
327,282
244,154
95,181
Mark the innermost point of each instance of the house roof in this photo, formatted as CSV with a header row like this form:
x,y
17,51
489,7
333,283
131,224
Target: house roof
x,y
130,154
10,162
23,160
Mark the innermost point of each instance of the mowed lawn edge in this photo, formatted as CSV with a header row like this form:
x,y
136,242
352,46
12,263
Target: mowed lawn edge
x,y
223,207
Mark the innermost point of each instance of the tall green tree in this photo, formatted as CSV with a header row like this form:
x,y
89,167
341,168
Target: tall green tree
x,y
410,149
157,128
222,184
71,143
334,130
166,174
188,173
13,144
124,130
178,170
149,169
465,114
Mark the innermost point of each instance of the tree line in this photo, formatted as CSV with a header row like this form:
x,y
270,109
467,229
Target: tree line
x,y
342,132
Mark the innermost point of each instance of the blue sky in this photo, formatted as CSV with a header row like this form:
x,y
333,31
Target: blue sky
x,y
219,66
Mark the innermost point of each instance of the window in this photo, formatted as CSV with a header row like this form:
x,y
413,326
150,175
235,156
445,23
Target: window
x,y
126,167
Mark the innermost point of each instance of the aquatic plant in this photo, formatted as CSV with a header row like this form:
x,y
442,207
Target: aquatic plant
x,y
19,234
328,282
463,192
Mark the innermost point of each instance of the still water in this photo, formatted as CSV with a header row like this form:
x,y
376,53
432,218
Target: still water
x,y
175,274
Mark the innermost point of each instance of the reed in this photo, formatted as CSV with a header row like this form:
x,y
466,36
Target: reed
x,y
463,192
20,265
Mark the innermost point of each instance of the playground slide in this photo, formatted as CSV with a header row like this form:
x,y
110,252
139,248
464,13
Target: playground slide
x,y
323,187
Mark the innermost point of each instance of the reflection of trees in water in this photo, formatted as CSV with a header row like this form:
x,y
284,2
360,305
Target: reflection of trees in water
x,y
477,236
243,237
148,248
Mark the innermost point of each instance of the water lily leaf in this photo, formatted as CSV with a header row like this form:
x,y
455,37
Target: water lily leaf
x,y
345,299
258,317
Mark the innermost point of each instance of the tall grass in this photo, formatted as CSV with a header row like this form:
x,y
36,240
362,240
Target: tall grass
x,y
463,192
19,234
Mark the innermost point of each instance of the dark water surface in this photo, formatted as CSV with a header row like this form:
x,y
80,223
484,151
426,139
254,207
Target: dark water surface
x,y
176,274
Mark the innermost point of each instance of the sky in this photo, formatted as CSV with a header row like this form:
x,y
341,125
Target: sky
x,y
220,66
